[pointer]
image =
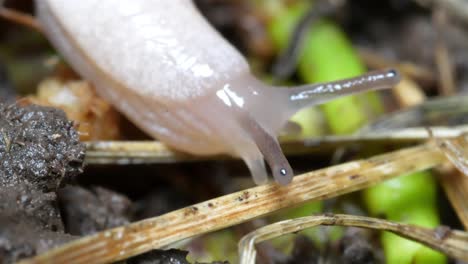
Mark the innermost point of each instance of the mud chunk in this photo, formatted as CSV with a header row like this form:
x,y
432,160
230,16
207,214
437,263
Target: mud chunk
x,y
89,211
171,256
30,223
38,147
20,239
24,202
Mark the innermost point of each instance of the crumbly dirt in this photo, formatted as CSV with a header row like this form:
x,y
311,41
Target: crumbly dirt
x,y
89,211
38,147
171,256
29,222
158,202
20,238
24,202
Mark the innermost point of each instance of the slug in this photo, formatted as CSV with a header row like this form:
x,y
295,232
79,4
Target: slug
x,y
169,71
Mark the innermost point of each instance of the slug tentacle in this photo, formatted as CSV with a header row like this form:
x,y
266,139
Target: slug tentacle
x,y
308,95
271,151
256,164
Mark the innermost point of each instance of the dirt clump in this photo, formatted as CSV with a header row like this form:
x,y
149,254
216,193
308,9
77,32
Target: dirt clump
x,y
39,150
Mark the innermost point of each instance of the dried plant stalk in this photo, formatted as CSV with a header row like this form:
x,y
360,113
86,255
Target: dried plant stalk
x,y
455,150
139,237
452,243
408,93
455,182
455,185
137,152
413,71
19,18
131,152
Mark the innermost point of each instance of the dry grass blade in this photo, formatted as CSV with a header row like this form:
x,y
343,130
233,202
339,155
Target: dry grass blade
x,y
416,72
408,93
455,182
442,56
137,152
456,187
19,18
456,151
456,8
139,237
132,152
452,243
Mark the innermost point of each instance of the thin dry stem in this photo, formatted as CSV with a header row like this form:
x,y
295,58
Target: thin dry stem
x,y
132,152
455,150
456,8
408,69
408,93
442,56
139,237
20,18
137,152
452,243
455,185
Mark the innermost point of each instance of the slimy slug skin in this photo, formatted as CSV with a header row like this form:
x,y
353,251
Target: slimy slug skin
x,y
168,70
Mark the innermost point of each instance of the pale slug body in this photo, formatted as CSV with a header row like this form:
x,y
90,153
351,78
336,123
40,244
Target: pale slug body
x,y
163,66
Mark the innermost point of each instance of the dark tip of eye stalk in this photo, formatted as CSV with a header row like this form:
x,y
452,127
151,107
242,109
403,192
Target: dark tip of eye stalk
x,y
394,76
283,172
283,175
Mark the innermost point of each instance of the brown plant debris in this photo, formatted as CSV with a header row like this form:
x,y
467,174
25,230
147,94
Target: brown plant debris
x,y
96,118
452,242
153,233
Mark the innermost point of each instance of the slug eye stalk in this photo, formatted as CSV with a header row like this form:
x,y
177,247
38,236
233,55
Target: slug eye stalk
x,y
307,95
261,125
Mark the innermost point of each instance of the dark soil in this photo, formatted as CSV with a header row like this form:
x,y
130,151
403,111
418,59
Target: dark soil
x,y
89,211
171,256
39,149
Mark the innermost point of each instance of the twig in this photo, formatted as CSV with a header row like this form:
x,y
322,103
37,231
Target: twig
x,y
457,8
411,70
455,185
20,18
452,243
148,152
139,237
408,93
454,176
442,56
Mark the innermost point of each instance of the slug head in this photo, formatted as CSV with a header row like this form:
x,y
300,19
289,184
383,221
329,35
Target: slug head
x,y
254,113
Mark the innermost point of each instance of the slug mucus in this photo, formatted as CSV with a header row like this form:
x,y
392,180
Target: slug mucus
x,y
169,71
